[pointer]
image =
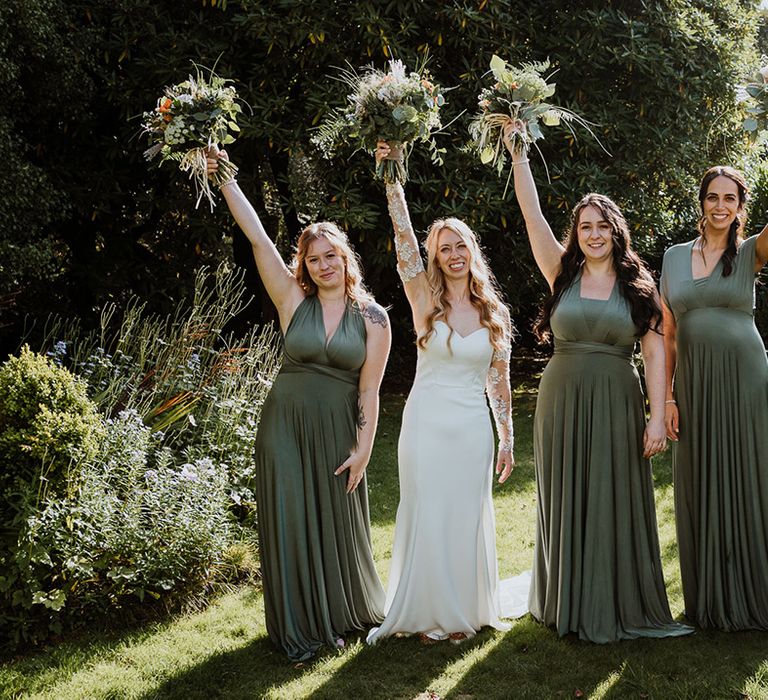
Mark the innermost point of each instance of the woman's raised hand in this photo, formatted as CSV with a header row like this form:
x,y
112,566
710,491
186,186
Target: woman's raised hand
x,y
388,151
514,126
212,155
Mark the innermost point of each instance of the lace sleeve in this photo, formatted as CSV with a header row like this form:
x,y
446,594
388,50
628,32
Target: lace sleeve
x,y
409,262
500,395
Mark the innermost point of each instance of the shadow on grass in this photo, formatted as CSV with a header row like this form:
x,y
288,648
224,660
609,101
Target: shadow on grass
x,y
528,662
536,664
394,668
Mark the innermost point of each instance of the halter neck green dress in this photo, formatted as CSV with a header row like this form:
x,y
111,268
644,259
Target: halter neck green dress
x,y
316,561
597,568
721,459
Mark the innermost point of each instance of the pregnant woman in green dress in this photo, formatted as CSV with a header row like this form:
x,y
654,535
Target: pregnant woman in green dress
x,y
597,569
315,438
717,411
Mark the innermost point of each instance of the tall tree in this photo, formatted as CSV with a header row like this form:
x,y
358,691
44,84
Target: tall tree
x,y
88,220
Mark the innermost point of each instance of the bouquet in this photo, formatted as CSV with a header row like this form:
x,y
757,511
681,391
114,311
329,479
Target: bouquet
x,y
755,94
395,106
518,96
190,118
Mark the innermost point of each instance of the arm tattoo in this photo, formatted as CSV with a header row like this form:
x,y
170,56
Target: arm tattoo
x,y
375,315
361,421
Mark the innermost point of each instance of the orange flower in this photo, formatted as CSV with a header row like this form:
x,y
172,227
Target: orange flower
x,y
165,105
427,85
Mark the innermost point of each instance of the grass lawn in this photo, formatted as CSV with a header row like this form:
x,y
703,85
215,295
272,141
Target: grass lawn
x,y
223,652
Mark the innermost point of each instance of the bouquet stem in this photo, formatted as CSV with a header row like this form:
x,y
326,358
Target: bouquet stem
x,y
394,168
194,161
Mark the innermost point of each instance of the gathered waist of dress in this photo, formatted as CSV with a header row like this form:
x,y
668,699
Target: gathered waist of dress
x,y
585,347
312,369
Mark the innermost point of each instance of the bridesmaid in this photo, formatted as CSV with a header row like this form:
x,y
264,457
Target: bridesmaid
x,y
717,410
315,437
443,580
597,567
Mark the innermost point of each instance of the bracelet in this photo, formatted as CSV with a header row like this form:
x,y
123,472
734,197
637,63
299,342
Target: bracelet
x,y
520,162
670,401
231,181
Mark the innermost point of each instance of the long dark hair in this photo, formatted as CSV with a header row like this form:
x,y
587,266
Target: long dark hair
x,y
736,231
635,282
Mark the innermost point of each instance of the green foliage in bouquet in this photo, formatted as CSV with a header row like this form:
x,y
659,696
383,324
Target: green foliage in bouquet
x,y
189,118
754,94
394,106
518,96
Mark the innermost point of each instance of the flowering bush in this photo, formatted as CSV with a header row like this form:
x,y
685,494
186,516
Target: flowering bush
x,y
190,118
395,106
139,527
160,507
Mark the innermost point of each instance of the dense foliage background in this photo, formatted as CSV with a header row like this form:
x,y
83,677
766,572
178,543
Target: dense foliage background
x,y
86,221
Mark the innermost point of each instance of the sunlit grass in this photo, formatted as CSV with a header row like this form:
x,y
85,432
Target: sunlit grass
x,y
223,652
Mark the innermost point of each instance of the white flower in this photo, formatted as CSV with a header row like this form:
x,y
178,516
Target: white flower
x,y
186,99
188,472
764,72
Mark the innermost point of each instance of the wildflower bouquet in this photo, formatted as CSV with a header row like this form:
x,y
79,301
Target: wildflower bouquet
x,y
190,118
518,96
755,94
393,106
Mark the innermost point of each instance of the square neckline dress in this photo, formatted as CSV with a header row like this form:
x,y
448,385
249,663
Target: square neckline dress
x,y
597,566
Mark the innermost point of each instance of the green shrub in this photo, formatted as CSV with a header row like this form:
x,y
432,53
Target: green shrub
x,y
47,421
138,529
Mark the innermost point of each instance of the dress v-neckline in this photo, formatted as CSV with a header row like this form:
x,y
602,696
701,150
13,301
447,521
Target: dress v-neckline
x,y
327,340
704,278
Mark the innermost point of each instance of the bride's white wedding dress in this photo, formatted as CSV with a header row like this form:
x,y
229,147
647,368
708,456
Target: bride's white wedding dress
x,y
443,577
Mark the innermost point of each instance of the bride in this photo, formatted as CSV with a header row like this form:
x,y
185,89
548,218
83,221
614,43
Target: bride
x,y
443,580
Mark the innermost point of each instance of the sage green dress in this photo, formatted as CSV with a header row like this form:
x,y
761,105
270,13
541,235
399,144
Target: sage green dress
x,y
316,560
597,568
721,460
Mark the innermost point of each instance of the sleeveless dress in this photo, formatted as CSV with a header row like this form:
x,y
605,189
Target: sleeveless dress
x,y
316,560
721,460
443,576
597,567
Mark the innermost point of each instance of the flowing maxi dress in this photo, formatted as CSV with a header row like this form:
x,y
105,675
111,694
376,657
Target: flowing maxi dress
x,y
720,462
317,565
597,567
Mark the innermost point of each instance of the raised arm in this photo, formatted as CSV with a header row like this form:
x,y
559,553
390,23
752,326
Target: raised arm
x,y
500,398
654,438
410,266
281,285
761,249
547,250
377,344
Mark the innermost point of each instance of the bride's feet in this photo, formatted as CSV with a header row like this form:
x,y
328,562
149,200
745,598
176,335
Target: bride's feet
x,y
457,637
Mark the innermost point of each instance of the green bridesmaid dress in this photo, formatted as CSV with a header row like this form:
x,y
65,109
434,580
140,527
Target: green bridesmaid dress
x,y
721,459
597,568
317,566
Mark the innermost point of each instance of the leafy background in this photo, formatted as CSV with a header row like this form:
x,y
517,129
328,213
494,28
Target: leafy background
x,y
87,222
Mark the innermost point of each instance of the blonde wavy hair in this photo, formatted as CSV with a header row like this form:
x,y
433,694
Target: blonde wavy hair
x,y
353,275
484,294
